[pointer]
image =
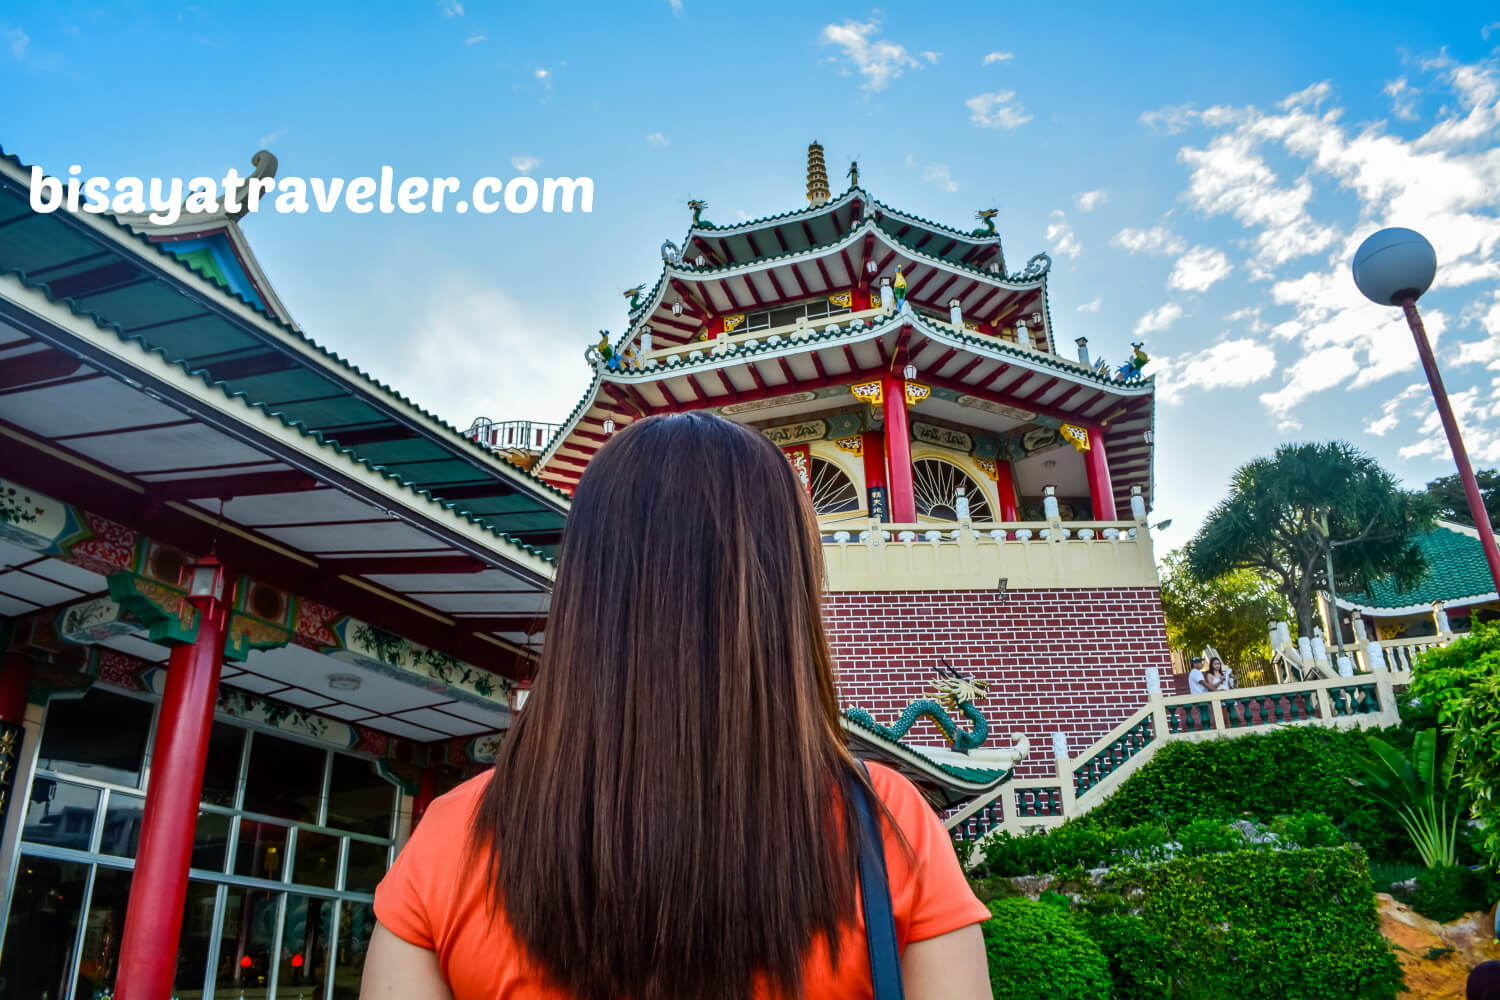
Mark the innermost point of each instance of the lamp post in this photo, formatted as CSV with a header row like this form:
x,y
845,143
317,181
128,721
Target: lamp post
x,y
1393,268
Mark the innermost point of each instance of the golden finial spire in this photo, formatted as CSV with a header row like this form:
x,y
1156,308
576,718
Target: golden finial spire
x,y
817,175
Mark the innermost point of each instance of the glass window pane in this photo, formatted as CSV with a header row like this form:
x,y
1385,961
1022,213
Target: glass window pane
x,y
197,935
304,946
100,957
359,799
261,851
367,865
245,940
43,922
210,840
317,859
60,814
285,778
356,922
122,825
101,735
221,769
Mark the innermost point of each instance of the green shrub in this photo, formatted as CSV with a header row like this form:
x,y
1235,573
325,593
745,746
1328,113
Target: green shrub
x,y
1447,893
1306,831
1136,956
1078,844
1261,776
1298,925
1209,836
1034,948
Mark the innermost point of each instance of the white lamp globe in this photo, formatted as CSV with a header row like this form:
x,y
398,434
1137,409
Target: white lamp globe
x,y
1393,265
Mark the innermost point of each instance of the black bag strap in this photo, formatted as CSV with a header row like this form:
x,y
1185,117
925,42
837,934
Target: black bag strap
x,y
875,895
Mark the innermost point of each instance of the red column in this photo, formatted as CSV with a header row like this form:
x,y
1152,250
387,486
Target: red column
x,y
1005,487
426,792
1101,489
14,676
873,447
153,917
898,449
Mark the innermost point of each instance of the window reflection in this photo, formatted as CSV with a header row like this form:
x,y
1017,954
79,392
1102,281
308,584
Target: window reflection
x,y
317,859
210,841
197,934
60,814
366,866
39,936
261,851
122,825
359,799
246,937
101,736
285,778
304,945
356,923
99,957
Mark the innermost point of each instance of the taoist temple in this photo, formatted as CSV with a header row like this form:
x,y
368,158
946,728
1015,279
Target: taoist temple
x,y
258,608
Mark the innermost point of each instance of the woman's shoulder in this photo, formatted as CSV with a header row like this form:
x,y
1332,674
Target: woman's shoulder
x,y
900,796
457,806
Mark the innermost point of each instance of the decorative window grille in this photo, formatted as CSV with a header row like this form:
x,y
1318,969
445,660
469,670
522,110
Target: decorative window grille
x,y
936,482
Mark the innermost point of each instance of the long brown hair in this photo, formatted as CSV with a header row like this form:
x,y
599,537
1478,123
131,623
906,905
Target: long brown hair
x,y
666,817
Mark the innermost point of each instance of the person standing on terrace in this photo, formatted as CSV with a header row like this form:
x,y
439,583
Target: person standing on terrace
x,y
675,815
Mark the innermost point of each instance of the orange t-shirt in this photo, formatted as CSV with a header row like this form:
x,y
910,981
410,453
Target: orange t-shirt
x,y
431,900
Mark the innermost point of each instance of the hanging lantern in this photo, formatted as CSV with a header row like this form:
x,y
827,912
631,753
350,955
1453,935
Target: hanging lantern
x,y
1036,319
871,267
609,425
204,578
677,308
994,267
910,371
699,260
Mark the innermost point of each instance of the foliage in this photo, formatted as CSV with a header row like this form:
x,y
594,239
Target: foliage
x,y
1080,844
1209,836
1283,512
1029,944
1448,892
1462,681
1136,956
1307,830
1297,925
1229,613
1417,791
1452,505
1259,776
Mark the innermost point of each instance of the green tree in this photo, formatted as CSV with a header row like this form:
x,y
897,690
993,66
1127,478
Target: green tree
x,y
1229,613
1448,493
1283,512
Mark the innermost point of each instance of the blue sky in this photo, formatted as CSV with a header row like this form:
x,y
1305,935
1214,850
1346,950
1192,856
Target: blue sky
x,y
1199,175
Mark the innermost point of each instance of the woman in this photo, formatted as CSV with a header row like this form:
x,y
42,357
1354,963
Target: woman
x,y
669,817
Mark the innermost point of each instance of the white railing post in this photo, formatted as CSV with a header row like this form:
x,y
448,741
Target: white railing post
x,y
1065,774
1440,619
1158,704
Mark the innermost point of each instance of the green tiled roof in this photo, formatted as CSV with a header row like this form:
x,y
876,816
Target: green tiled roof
x,y
148,294
970,776
1456,570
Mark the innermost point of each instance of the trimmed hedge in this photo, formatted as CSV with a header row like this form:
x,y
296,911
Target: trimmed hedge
x,y
1260,776
1035,949
1299,925
1447,893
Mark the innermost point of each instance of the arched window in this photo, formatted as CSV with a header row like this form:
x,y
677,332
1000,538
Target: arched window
x,y
936,484
832,491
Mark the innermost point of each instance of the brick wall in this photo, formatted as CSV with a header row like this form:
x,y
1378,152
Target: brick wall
x,y
1057,660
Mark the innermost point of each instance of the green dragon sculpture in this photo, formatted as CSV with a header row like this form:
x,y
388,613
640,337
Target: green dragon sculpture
x,y
953,692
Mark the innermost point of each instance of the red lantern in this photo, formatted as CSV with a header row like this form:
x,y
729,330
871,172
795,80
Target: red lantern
x,y
245,962
297,960
204,578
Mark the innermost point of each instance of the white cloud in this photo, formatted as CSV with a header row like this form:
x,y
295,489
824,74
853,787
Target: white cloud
x,y
657,139
932,57
1158,319
544,75
994,57
1488,30
1090,200
1170,120
1389,410
1230,364
1403,98
676,6
271,137
1199,269
476,39
525,164
1157,239
1312,373
939,174
1061,235
1092,307
997,110
451,8
877,60
17,40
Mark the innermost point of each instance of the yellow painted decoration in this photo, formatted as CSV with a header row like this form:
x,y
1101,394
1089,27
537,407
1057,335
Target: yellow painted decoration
x,y
916,392
845,299
989,468
854,445
971,325
1076,436
869,392
730,322
874,300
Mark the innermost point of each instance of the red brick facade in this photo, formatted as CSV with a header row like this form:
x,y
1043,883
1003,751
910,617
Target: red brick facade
x,y
1057,660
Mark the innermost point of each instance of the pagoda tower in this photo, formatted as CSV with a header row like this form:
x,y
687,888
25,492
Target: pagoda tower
x,y
983,498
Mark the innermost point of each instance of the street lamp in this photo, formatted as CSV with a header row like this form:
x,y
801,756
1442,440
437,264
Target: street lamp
x,y
1393,268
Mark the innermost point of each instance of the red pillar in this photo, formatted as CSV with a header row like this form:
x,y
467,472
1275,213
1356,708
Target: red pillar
x,y
1101,489
14,675
426,792
153,916
1005,487
873,447
898,450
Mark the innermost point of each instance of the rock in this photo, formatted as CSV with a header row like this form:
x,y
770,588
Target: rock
x,y
1436,958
